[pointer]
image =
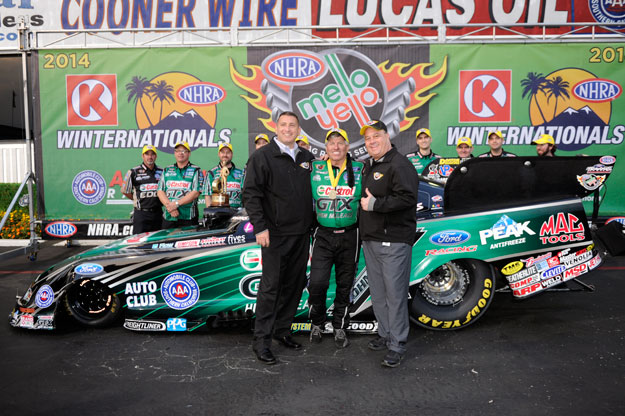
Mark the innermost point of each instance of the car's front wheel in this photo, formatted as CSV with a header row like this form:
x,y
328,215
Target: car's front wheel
x,y
92,303
452,296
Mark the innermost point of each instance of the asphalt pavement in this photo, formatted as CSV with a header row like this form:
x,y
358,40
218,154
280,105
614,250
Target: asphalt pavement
x,y
560,353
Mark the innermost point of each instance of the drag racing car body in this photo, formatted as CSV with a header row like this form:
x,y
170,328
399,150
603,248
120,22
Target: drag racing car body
x,y
517,222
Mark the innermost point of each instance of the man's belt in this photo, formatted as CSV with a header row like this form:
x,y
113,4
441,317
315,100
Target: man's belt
x,y
149,209
339,230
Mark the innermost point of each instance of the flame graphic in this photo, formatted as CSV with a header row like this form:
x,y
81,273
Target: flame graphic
x,y
396,74
252,84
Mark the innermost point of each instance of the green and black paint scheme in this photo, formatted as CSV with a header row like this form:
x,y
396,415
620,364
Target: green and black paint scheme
x,y
516,221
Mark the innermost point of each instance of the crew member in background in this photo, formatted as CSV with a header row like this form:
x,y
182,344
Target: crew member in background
x,y
464,148
387,226
140,185
234,182
278,199
495,142
261,140
302,141
336,191
545,146
424,154
179,189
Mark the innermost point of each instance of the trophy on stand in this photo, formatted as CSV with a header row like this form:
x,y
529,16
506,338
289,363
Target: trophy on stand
x,y
219,197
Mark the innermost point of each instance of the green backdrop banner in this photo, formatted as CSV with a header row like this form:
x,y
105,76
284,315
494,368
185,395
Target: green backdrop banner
x,y
99,107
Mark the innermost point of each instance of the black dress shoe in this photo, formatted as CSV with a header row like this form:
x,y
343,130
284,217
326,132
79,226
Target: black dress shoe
x,y
289,342
265,356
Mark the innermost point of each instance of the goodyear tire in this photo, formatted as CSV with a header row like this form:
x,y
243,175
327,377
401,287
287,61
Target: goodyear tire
x,y
92,303
453,296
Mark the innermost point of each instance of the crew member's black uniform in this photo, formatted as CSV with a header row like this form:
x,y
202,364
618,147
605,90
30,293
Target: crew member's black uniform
x,y
277,196
503,154
143,184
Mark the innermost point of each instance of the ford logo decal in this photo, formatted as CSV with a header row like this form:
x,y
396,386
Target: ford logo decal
x,y
88,269
450,237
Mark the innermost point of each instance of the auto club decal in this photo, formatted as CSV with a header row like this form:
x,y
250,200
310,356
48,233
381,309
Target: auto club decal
x,y
337,88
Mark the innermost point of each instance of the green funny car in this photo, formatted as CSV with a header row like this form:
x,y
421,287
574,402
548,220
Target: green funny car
x,y
517,222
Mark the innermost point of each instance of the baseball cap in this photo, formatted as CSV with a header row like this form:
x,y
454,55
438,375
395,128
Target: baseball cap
x,y
495,132
147,148
222,145
185,144
544,138
261,136
374,124
302,138
424,130
341,132
464,140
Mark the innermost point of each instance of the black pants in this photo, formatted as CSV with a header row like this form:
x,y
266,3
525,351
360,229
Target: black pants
x,y
180,223
338,248
281,286
145,221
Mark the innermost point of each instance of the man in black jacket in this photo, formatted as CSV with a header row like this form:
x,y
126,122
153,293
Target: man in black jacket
x,y
387,225
278,198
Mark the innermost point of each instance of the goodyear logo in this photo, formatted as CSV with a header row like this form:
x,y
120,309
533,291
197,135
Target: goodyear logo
x,y
512,268
201,93
597,90
294,67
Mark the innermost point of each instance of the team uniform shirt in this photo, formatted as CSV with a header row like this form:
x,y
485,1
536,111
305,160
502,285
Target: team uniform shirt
x,y
420,161
234,183
176,183
342,211
503,154
142,183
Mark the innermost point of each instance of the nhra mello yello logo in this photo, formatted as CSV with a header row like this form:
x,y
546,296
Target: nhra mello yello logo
x,y
337,88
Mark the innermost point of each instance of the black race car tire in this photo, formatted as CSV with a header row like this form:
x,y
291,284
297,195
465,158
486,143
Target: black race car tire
x,y
453,296
92,303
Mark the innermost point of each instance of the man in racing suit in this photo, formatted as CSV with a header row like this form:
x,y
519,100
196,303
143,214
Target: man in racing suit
x,y
278,200
234,181
388,223
140,185
179,189
495,142
424,154
336,191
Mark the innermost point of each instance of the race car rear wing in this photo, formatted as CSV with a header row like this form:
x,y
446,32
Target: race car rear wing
x,y
484,183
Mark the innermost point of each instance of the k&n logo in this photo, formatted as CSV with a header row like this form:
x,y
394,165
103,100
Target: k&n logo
x,y
91,100
485,96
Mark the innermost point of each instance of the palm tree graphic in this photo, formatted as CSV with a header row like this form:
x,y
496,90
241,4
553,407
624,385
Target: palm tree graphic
x,y
532,85
557,87
139,87
161,91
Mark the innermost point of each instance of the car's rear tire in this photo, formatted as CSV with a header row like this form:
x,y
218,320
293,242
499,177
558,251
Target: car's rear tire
x,y
453,296
92,303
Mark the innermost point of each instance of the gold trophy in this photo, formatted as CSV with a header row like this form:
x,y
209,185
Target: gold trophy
x,y
219,197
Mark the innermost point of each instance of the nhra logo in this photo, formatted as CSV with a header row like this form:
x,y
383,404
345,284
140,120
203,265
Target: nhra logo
x,y
180,291
337,88
44,296
248,286
61,229
485,96
88,187
296,67
201,93
597,90
91,100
